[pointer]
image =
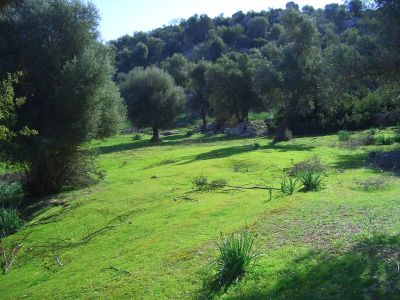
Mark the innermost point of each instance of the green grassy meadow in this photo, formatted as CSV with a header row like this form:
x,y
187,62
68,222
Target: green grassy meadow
x,y
146,233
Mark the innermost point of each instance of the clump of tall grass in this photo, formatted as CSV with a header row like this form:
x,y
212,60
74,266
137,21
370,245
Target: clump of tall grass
x,y
344,135
383,139
9,221
289,185
310,173
236,256
311,181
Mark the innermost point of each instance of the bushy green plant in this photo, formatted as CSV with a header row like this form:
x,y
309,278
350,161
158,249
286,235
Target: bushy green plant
x,y
235,257
373,131
311,181
384,140
397,136
137,137
289,185
344,135
256,146
9,191
200,182
9,221
189,133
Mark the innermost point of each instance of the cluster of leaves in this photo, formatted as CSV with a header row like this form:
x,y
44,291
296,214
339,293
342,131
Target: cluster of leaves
x,y
9,221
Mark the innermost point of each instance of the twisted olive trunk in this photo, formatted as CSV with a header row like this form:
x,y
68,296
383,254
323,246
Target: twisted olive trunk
x,y
156,136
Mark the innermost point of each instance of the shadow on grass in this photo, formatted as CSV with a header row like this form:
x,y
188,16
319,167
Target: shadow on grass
x,y
172,140
234,150
363,272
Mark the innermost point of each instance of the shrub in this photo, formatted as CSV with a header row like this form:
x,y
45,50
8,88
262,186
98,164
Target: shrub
x,y
344,135
256,146
189,133
312,164
236,256
373,131
372,184
288,185
9,221
10,191
137,137
200,182
384,140
311,181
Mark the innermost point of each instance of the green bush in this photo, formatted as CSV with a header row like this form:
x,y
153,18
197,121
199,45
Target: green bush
x,y
217,183
189,133
384,140
10,191
311,181
235,257
137,137
256,146
344,135
9,221
200,182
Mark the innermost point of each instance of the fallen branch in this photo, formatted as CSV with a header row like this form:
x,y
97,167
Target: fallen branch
x,y
6,262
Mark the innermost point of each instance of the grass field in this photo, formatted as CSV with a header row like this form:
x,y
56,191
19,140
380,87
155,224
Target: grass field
x,y
145,233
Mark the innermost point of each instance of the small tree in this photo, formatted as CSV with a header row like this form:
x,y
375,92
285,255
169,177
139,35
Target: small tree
x,y
288,77
198,102
230,87
68,89
152,97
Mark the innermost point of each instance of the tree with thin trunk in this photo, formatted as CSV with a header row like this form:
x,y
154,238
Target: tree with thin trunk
x,y
198,101
153,98
287,76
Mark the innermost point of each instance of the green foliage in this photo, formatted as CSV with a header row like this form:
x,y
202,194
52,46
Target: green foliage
x,y
70,97
9,221
383,139
200,182
236,255
344,135
231,92
311,181
289,185
10,191
137,137
153,98
256,146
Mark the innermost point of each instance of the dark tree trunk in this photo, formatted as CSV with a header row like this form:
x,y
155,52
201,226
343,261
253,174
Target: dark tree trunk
x,y
283,129
204,124
156,137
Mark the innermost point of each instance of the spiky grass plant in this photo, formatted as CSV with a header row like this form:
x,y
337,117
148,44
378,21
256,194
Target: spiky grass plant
x,y
9,221
289,185
311,181
235,258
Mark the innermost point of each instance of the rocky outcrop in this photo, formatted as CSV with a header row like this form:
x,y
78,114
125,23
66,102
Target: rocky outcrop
x,y
248,129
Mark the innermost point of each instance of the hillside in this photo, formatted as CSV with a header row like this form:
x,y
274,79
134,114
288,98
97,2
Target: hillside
x,y
147,233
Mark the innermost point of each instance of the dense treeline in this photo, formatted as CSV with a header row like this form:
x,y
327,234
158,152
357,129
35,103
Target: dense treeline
x,y
318,70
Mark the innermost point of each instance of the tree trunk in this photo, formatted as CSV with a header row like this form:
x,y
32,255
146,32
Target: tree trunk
x,y
156,137
283,129
204,125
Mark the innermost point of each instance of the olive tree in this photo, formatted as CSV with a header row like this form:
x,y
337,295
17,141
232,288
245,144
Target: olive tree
x,y
153,98
66,82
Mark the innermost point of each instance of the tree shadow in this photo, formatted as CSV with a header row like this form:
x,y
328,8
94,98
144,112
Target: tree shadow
x,y
363,272
171,140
